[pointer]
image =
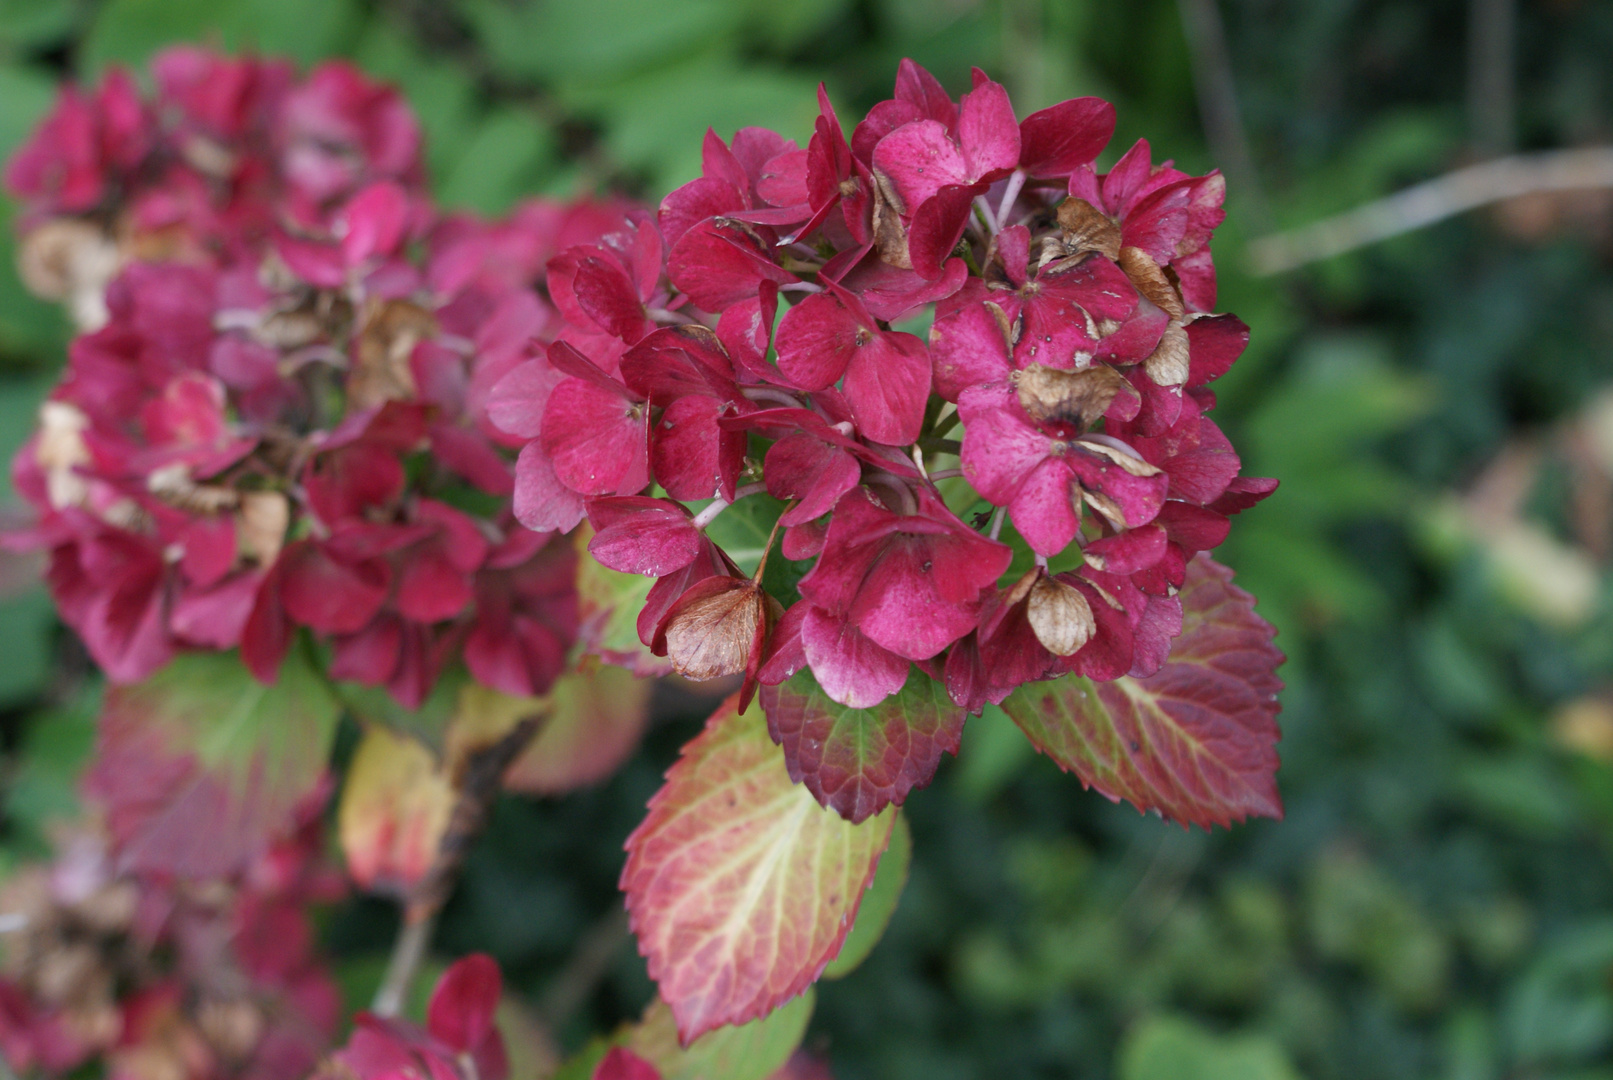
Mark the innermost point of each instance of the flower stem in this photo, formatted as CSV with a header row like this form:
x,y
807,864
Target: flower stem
x,y
997,521
1016,183
768,550
719,504
479,781
407,952
984,210
768,393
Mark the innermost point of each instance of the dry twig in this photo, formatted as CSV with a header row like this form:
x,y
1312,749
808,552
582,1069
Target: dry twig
x,y
1435,200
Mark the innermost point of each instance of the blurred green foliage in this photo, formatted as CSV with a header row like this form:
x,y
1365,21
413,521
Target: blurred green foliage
x,y
1437,903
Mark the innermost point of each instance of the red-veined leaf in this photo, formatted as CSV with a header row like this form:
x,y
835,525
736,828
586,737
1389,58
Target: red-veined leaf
x,y
740,886
858,761
1195,741
200,766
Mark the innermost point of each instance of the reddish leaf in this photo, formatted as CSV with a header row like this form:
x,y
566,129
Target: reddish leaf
x,y
740,887
1197,739
396,802
620,1064
461,1009
598,714
858,761
201,766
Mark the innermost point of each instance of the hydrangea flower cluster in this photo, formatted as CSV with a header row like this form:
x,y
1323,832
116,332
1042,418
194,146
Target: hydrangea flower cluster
x,y
278,419
158,979
749,339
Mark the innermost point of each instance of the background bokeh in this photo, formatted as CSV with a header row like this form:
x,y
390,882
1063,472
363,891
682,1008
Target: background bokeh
x,y
1439,901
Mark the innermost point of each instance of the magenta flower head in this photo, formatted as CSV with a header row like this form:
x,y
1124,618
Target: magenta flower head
x,y
278,420
1014,498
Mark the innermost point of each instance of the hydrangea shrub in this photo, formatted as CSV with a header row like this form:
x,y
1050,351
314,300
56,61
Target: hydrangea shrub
x,y
883,430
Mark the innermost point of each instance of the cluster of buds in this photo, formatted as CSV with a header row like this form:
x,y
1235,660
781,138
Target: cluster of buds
x,y
163,980
748,340
276,416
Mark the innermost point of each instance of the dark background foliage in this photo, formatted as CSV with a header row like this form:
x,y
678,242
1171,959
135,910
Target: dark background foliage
x,y
1439,901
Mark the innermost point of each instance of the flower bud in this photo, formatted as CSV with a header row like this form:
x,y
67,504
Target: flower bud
x,y
1060,616
716,628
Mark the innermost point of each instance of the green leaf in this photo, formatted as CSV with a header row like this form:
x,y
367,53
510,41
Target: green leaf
x,y
787,26
201,766
596,41
1175,1048
743,530
429,723
44,788
752,1051
704,91
28,24
130,31
608,602
878,905
498,164
994,752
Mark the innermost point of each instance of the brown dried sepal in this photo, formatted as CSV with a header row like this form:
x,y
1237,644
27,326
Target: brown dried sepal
x,y
1151,281
1060,616
260,525
1133,464
716,628
1167,365
382,373
1086,228
1077,398
68,259
59,450
890,235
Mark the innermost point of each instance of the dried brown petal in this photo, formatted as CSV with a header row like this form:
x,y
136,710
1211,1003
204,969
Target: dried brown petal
x,y
1136,466
1086,228
111,909
1106,507
715,634
59,451
1167,365
1060,616
382,372
890,236
234,1028
66,972
1009,330
1023,586
173,485
1067,397
1151,281
72,260
260,525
